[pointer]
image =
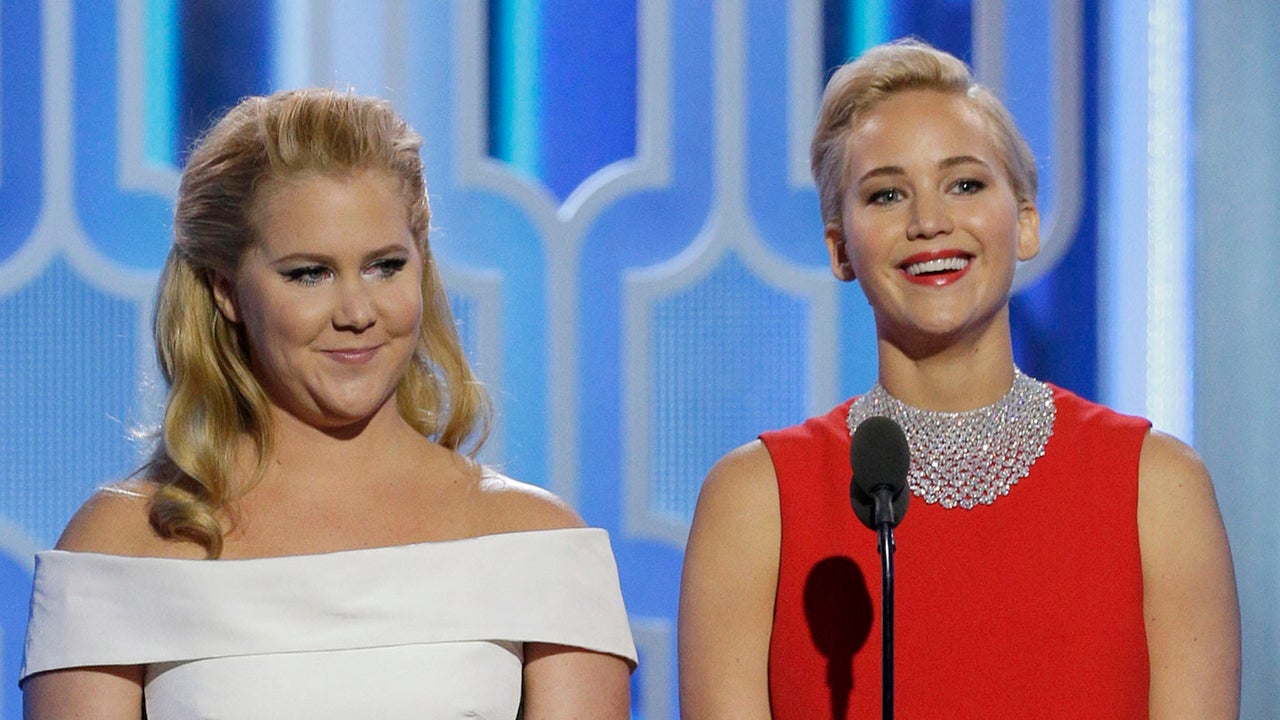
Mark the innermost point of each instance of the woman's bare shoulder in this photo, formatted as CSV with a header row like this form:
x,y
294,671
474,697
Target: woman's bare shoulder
x,y
744,476
115,520
514,506
742,485
1166,459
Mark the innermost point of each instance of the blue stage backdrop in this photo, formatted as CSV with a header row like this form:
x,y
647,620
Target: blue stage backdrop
x,y
621,205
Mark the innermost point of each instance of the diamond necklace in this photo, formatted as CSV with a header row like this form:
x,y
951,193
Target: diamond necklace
x,y
972,457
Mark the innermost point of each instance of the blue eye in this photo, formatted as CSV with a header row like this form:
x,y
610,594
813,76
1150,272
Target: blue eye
x,y
388,267
969,186
885,196
306,275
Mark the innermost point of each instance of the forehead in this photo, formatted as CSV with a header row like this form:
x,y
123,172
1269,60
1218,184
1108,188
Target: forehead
x,y
339,210
919,126
276,193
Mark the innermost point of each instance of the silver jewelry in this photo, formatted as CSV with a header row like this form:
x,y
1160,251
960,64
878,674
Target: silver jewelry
x,y
968,458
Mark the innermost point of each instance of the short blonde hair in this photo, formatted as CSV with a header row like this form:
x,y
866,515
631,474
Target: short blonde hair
x,y
213,397
908,64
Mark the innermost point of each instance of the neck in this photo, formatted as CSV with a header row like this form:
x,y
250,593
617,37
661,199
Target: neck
x,y
302,450
956,378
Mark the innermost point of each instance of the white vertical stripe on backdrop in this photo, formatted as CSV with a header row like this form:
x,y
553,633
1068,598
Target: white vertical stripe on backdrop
x,y
1145,281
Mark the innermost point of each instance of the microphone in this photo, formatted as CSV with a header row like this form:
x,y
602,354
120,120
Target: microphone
x,y
880,458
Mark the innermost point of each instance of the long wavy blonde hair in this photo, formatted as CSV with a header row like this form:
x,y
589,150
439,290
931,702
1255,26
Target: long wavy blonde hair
x,y
214,400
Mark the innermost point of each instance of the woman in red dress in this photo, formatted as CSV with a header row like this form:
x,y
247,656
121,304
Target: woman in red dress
x,y
1058,559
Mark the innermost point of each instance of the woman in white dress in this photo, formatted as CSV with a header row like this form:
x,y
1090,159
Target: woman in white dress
x,y
312,536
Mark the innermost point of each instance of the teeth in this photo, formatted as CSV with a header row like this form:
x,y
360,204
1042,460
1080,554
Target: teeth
x,y
939,265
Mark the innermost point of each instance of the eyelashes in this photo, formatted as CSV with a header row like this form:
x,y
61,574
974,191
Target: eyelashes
x,y
389,266
309,275
884,197
306,275
891,195
968,186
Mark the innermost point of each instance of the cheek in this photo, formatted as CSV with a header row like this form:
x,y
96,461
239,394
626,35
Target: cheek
x,y
402,309
295,322
997,223
274,325
863,243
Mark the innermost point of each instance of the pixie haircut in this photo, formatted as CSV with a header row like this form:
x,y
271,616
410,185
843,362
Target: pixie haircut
x,y
214,399
909,64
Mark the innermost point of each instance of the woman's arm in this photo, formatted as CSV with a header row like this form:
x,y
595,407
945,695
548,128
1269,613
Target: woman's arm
x,y
572,683
99,693
113,521
1189,587
728,590
560,681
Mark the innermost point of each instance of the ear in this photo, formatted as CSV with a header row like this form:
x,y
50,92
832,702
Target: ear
x,y
224,297
1028,231
836,246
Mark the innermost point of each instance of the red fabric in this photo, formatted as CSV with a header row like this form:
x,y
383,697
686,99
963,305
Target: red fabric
x,y
1027,608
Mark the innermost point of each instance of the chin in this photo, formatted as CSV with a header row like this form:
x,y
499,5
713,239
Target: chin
x,y
925,340
340,426
341,413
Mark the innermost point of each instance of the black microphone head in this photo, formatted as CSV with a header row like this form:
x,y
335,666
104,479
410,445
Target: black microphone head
x,y
880,458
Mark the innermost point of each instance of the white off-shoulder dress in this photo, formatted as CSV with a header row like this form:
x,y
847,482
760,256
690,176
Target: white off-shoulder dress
x,y
431,630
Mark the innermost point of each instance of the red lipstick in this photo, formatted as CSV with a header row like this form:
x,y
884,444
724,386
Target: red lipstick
x,y
936,268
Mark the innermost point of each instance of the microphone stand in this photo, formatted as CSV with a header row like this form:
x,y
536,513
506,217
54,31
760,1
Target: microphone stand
x,y
884,517
886,617
881,459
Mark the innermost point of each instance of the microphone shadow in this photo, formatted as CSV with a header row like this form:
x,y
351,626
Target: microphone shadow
x,y
837,606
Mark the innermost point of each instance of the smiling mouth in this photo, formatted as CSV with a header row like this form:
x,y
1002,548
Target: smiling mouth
x,y
936,266
353,355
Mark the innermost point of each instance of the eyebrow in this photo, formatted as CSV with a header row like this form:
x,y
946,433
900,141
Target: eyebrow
x,y
961,160
326,259
944,164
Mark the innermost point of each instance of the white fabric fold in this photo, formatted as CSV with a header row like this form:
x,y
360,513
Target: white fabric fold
x,y
554,586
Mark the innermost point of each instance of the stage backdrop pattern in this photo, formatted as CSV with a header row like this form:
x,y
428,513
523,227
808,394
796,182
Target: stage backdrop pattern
x,y
635,319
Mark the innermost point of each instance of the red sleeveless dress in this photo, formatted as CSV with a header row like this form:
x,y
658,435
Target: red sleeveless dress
x,y
1027,608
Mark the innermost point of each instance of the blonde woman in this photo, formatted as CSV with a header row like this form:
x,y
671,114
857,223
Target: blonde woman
x,y
1057,559
312,536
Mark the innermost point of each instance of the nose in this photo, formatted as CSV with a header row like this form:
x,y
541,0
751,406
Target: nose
x,y
353,309
930,217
